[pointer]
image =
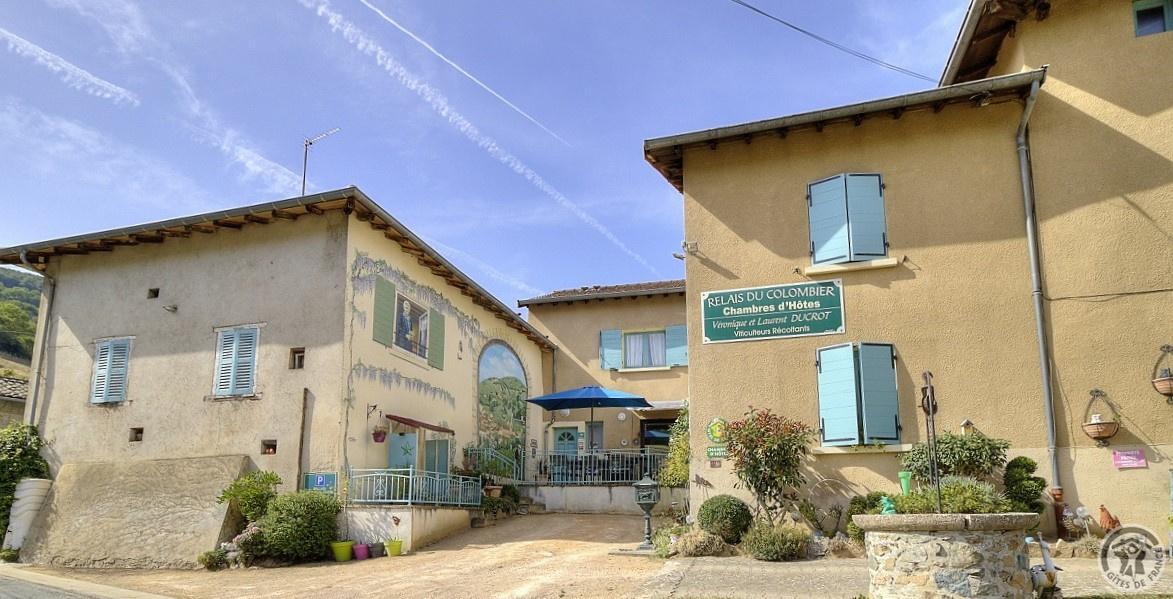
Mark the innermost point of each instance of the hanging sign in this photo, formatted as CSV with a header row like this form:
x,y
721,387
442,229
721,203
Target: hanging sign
x,y
774,312
1129,458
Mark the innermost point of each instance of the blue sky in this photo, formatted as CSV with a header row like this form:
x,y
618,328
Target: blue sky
x,y
116,112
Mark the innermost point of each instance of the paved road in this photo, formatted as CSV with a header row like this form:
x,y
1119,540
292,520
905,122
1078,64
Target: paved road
x,y
11,588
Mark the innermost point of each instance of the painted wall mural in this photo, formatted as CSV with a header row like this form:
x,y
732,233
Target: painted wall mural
x,y
501,394
391,378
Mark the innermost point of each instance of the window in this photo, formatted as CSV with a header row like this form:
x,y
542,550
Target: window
x,y
846,215
269,447
297,358
111,365
1152,16
436,455
654,432
666,347
136,435
153,293
403,323
858,403
236,361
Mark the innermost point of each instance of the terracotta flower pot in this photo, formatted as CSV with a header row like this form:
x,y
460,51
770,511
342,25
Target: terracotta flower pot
x,y
379,436
492,490
1164,385
1101,431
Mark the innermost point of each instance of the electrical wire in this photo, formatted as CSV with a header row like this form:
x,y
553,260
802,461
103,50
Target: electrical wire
x,y
837,46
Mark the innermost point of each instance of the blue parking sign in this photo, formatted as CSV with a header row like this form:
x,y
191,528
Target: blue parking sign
x,y
320,481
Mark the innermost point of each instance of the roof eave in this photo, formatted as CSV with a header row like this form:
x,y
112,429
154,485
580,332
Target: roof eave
x,y
961,44
600,296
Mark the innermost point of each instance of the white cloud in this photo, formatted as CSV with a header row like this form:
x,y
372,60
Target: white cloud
x,y
73,75
122,21
439,104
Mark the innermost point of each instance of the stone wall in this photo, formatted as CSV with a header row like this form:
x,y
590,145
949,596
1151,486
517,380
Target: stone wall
x,y
948,555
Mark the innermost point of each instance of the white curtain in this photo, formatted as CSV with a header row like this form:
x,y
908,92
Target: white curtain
x,y
633,351
656,352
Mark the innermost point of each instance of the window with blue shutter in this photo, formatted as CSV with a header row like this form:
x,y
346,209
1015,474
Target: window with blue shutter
x,y
676,338
610,349
846,216
858,400
111,367
236,361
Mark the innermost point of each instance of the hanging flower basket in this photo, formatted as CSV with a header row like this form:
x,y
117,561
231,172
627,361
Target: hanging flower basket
x,y
1096,426
1164,383
379,436
1101,431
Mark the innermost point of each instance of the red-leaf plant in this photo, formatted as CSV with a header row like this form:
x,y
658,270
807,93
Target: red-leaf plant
x,y
768,452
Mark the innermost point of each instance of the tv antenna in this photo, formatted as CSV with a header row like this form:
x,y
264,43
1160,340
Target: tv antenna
x,y
305,159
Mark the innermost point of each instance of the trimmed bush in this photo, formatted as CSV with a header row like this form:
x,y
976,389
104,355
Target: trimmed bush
x,y
699,543
251,493
959,495
974,455
725,516
300,526
216,559
20,457
1023,489
774,543
9,555
498,505
862,504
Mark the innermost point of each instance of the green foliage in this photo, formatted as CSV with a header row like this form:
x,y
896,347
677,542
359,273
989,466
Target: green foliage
x,y
862,504
664,538
250,543
9,555
20,457
502,416
511,493
959,495
767,452
1023,489
773,543
823,520
498,505
251,493
674,472
699,543
216,559
725,516
300,526
974,455
17,329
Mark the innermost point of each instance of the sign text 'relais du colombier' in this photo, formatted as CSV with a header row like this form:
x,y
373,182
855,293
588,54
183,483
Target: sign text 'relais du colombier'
x,y
774,312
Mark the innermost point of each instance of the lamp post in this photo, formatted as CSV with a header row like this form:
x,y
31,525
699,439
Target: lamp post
x,y
647,495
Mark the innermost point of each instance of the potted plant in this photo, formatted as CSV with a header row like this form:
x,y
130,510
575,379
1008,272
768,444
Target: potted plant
x,y
1101,430
342,550
379,433
378,549
362,551
394,545
1164,383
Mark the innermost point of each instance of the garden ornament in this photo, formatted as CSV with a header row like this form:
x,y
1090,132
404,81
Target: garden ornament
x,y
886,505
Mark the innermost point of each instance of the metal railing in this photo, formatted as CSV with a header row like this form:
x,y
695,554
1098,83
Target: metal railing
x,y
408,486
602,467
493,462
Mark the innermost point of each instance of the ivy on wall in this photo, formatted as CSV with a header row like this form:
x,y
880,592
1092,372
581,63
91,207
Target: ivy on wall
x,y
390,378
363,271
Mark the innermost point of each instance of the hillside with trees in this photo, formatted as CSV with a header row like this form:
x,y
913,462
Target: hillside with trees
x,y
20,296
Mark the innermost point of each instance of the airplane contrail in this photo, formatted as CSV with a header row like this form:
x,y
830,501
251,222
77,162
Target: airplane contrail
x,y
73,75
461,70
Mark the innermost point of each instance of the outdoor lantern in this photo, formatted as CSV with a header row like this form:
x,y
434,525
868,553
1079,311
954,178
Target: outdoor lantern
x,y
647,495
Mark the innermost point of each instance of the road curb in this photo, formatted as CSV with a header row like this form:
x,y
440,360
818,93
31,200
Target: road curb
x,y
17,572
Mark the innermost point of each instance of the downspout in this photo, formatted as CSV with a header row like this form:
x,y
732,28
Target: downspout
x,y
48,286
1028,204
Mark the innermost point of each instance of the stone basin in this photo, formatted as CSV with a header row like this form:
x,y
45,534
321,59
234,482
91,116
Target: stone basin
x,y
948,555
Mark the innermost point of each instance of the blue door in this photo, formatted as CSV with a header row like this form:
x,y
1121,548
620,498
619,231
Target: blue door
x,y
566,440
402,451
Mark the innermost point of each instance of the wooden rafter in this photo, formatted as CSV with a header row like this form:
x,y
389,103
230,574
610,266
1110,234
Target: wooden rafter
x,y
252,218
227,224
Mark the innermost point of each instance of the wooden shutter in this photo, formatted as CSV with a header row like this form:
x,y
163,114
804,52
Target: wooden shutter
x,y
119,366
101,372
225,354
384,312
867,228
244,372
877,391
838,413
676,340
827,214
436,339
610,349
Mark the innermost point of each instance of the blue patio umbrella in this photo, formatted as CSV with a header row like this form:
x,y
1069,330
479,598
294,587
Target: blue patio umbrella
x,y
591,396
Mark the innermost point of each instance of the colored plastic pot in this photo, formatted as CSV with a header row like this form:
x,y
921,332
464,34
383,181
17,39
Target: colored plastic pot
x,y
378,550
342,550
394,547
905,481
362,551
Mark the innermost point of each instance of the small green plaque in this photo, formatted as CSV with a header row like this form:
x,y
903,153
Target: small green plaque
x,y
773,312
717,452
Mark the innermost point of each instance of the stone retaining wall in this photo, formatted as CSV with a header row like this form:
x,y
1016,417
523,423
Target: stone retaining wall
x,y
948,555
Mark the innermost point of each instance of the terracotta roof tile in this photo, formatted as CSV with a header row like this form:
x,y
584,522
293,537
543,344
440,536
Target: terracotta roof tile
x,y
11,388
604,291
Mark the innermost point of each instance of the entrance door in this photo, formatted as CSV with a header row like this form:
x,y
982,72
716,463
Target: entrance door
x,y
402,450
436,456
565,440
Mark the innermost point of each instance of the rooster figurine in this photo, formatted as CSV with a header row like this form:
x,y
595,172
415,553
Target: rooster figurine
x,y
1108,522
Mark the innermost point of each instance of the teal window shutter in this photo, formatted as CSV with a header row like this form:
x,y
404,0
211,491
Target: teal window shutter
x,y
225,351
877,392
676,338
610,349
436,339
827,213
838,408
384,312
119,367
101,372
867,230
245,361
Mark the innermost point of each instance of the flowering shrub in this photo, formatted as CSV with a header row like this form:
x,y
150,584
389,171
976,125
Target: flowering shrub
x,y
767,452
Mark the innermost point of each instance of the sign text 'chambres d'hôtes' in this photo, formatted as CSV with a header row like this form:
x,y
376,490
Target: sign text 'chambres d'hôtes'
x,y
773,312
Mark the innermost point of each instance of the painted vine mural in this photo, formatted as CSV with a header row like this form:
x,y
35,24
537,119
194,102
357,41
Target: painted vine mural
x,y
501,394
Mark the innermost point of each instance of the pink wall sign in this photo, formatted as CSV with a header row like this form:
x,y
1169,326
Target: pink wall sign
x,y
1129,458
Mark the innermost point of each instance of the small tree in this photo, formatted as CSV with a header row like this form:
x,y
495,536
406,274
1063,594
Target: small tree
x,y
974,455
767,452
674,472
251,493
20,457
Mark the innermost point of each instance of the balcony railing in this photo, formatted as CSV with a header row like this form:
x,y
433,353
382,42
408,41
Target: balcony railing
x,y
408,486
492,461
603,467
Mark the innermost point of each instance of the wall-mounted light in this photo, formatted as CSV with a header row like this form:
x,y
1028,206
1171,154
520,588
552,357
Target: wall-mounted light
x,y
689,247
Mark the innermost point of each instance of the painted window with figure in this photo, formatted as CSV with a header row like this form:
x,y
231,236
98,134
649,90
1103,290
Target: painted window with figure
x,y
411,327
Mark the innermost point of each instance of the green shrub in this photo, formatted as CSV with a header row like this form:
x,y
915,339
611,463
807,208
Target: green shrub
x,y
300,526
250,543
9,555
775,543
216,559
1023,489
20,457
251,493
662,538
674,472
862,504
826,521
699,543
959,495
511,493
725,516
768,452
974,455
498,505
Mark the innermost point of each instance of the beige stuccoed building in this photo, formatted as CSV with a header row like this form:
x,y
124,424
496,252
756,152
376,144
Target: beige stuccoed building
x,y
316,337
1009,232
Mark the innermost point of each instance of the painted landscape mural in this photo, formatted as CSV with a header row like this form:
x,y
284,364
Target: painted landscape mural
x,y
502,391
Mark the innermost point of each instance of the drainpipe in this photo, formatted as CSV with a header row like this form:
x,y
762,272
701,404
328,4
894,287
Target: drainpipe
x,y
1028,204
48,286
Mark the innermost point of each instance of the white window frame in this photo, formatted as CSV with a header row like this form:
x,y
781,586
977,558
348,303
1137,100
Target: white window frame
x,y
647,347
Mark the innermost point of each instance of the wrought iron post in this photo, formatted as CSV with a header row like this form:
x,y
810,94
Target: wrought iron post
x,y
928,403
